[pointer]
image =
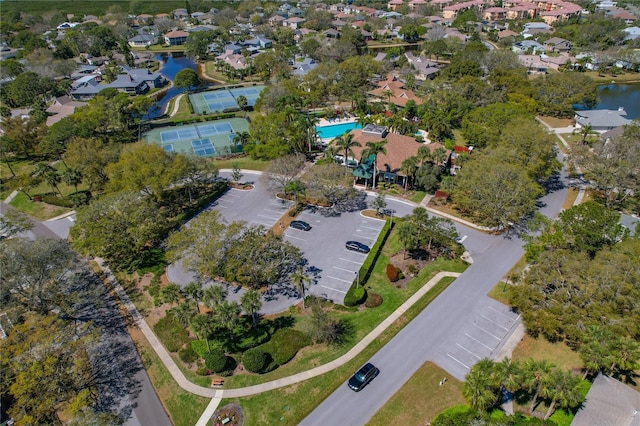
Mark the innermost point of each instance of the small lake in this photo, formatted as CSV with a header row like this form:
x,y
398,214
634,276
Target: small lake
x,y
616,95
170,64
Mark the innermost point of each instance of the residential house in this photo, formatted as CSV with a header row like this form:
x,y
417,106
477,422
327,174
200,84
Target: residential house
x,y
332,33
506,33
176,37
601,120
62,107
533,28
302,68
293,22
632,33
258,41
494,14
234,60
533,64
414,4
527,46
392,90
133,81
142,40
609,402
424,68
389,164
181,14
557,44
555,62
395,4
277,20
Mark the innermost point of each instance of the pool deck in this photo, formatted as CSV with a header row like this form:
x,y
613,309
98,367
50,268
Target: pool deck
x,y
325,122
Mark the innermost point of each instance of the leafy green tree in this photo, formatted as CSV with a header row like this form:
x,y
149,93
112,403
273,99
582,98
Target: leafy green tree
x,y
411,33
186,79
408,234
91,157
295,187
203,326
197,44
236,173
483,126
37,275
299,280
497,193
72,177
136,221
558,93
251,303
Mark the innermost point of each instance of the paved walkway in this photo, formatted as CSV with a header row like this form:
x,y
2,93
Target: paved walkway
x,y
176,105
218,394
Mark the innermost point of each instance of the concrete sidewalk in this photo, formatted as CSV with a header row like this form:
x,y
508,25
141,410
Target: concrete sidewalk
x,y
218,394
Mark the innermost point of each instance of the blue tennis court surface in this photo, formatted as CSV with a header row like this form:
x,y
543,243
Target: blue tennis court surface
x,y
206,139
223,99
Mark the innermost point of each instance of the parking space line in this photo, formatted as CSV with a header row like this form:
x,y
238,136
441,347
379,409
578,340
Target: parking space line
x,y
261,223
369,227
342,269
498,324
467,350
334,289
267,216
295,238
490,334
354,252
459,362
503,314
478,341
340,279
350,261
280,212
234,195
221,206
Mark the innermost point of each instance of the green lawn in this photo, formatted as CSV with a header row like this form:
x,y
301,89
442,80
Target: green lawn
x,y
245,163
558,353
183,112
38,210
421,398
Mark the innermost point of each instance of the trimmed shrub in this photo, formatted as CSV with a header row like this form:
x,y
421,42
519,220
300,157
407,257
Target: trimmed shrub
x,y
373,300
188,355
203,371
173,335
355,296
372,257
56,201
216,360
392,272
285,344
256,360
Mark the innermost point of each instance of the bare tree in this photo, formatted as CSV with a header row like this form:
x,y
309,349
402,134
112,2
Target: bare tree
x,y
283,170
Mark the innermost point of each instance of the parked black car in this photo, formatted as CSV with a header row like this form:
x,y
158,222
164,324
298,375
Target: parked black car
x,y
356,246
299,224
363,377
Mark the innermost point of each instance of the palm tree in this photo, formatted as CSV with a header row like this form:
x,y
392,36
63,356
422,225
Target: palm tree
x,y
213,296
295,187
242,103
299,279
72,176
408,234
424,154
509,374
251,303
624,355
375,148
562,388
594,349
388,94
535,374
182,313
585,131
438,156
227,315
242,138
408,167
346,143
52,177
193,292
479,386
309,125
202,326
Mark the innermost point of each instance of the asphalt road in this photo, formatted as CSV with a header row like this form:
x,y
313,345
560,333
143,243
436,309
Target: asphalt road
x,y
463,322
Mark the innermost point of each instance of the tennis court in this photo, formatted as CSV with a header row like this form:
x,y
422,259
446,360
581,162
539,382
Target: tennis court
x,y
223,99
206,139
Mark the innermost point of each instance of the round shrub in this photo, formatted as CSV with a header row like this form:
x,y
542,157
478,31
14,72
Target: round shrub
x,y
285,344
256,360
188,355
392,272
355,296
216,360
373,300
203,371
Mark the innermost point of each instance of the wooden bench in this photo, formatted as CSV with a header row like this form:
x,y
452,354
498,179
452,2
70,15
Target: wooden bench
x,y
217,382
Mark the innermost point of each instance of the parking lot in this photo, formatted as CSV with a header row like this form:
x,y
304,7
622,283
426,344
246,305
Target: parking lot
x,y
481,338
249,206
333,267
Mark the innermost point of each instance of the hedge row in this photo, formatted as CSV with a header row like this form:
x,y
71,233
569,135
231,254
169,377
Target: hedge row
x,y
370,261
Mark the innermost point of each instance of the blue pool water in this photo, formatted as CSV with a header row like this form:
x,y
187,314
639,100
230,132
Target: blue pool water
x,y
335,130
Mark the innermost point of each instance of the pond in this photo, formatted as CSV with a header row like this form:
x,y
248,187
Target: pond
x,y
617,95
170,64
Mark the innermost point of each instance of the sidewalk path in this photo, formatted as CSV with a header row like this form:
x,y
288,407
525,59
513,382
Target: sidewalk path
x,y
219,394
176,105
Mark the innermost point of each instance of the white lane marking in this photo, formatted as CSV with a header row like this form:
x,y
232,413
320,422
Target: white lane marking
x,y
295,238
334,289
229,194
498,324
370,227
342,269
489,333
340,279
354,252
268,217
350,261
280,212
467,350
478,341
503,314
459,362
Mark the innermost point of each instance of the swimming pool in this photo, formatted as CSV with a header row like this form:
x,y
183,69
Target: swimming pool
x,y
334,130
